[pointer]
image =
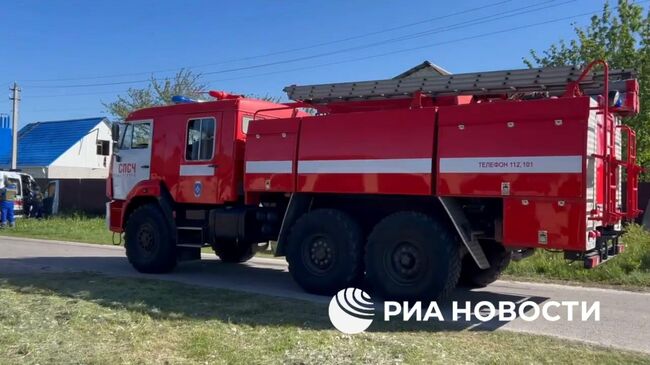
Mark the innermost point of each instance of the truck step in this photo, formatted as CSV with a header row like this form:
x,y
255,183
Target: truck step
x,y
190,236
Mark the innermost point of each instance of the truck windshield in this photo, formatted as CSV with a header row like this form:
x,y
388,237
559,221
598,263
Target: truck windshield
x,y
136,135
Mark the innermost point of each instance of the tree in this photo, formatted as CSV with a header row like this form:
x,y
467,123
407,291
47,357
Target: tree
x,y
158,92
623,39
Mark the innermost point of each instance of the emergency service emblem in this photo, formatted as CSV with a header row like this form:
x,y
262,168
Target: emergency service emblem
x,y
198,188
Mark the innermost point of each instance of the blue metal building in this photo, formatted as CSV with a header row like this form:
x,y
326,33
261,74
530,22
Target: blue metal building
x,y
5,136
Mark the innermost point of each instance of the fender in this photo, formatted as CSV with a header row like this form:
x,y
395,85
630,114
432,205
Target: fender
x,y
463,227
298,205
151,190
144,188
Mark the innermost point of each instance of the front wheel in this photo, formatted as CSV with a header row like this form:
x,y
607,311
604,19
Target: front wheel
x,y
325,251
410,256
148,241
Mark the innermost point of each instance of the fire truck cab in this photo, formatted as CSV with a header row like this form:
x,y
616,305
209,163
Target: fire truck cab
x,y
413,186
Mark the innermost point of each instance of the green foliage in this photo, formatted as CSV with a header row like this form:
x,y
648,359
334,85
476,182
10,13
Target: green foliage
x,y
622,38
631,268
158,92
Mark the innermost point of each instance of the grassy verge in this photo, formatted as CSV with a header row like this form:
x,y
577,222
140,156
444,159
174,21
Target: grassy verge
x,y
630,269
75,228
82,318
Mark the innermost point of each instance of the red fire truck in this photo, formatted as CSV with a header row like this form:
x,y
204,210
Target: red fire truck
x,y
411,185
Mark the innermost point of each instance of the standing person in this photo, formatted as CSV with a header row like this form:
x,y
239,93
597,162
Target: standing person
x,y
7,197
37,203
28,198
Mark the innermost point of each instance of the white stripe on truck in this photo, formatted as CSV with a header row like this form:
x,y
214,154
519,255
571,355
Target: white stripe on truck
x,y
269,167
196,170
521,165
374,166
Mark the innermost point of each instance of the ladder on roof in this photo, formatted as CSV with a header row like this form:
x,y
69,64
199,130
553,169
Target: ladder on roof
x,y
553,80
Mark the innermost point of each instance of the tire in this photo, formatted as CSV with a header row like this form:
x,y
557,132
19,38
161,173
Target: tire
x,y
473,277
150,247
410,256
234,253
325,251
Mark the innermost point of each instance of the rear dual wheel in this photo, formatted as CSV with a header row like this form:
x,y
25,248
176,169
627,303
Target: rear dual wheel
x,y
411,256
325,251
474,277
408,255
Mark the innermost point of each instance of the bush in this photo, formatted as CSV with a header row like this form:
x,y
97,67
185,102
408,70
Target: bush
x,y
630,268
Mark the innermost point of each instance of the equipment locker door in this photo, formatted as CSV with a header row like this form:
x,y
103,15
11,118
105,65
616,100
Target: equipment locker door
x,y
133,159
199,168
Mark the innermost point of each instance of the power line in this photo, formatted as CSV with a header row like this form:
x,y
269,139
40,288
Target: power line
x,y
477,36
482,20
312,46
63,109
39,96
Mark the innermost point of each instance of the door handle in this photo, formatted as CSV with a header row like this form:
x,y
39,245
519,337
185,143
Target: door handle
x,y
213,165
145,166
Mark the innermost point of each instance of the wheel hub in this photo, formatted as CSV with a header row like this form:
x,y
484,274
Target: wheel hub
x,y
146,238
405,263
320,253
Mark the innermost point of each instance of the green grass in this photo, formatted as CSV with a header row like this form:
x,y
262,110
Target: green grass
x,y
77,228
74,228
92,319
630,269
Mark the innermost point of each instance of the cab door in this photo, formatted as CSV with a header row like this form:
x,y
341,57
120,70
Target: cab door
x,y
132,162
199,167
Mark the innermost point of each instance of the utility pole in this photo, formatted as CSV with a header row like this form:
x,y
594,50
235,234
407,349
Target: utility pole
x,y
14,125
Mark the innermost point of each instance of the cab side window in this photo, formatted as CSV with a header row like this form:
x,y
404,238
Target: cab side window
x,y
200,139
141,135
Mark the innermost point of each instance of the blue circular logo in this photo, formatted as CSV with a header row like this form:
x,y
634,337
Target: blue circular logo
x,y
198,187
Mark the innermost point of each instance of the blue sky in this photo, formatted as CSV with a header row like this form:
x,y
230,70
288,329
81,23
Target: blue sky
x,y
53,49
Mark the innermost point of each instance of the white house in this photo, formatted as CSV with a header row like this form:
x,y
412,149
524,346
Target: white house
x,y
69,159
67,149
424,69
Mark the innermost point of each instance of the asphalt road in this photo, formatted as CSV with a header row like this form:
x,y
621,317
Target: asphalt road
x,y
624,322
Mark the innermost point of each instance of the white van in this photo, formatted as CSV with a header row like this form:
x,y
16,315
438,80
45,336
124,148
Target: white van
x,y
23,181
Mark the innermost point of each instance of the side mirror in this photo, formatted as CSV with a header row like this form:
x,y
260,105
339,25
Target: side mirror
x,y
115,132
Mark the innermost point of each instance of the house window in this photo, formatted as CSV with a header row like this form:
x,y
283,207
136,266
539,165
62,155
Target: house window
x,y
200,139
103,147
